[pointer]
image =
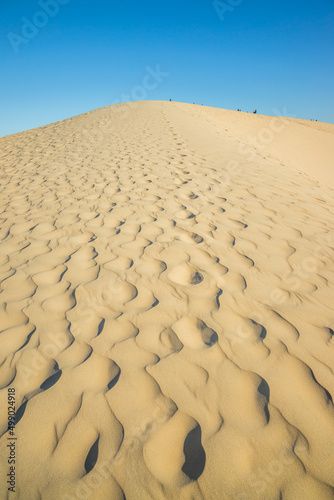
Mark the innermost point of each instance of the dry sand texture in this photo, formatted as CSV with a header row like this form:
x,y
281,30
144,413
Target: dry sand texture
x,y
167,307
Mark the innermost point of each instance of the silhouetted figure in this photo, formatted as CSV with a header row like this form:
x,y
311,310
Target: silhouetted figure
x,y
170,100
255,112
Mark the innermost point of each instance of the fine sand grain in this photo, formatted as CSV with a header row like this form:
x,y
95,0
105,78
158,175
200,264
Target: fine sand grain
x,y
167,306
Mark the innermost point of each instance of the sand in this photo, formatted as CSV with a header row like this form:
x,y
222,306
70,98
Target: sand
x,y
166,306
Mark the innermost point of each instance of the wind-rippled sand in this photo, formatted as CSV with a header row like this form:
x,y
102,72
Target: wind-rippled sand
x,y
167,306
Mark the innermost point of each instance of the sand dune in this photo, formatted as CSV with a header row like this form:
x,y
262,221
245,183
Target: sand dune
x,y
167,306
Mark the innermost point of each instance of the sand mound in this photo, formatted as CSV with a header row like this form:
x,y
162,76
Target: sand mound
x,y
166,306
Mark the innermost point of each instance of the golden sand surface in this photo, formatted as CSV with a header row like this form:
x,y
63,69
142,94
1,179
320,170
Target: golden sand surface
x,y
167,306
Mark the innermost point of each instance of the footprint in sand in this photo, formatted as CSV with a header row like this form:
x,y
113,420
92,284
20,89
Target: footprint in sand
x,y
185,275
194,333
174,454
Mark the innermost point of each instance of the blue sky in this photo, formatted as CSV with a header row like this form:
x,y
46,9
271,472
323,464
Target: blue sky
x,y
251,54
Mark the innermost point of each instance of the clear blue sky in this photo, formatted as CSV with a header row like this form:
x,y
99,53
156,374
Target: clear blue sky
x,y
259,54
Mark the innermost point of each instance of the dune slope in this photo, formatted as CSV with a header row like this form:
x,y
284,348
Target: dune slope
x,y
167,306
